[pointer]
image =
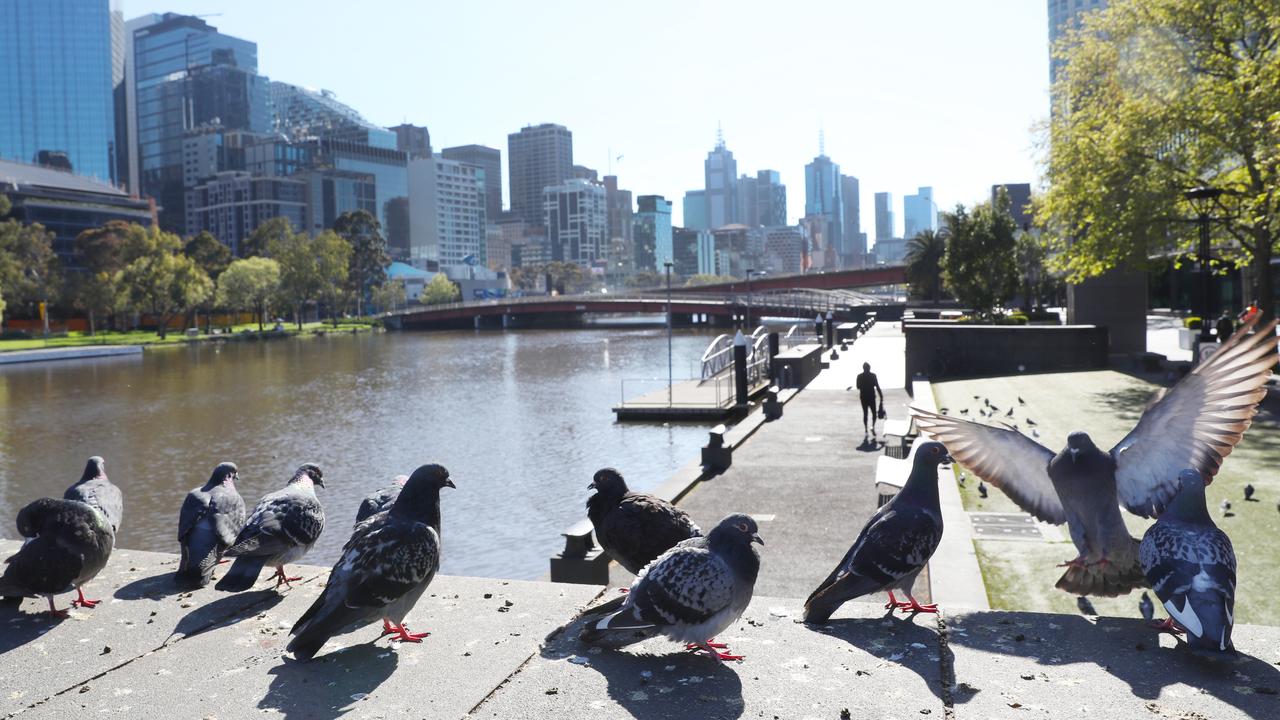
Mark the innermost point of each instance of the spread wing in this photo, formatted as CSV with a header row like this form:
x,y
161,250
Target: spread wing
x,y
1197,423
1007,459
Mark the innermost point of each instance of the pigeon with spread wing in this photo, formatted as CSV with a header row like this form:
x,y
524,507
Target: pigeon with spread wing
x,y
1196,424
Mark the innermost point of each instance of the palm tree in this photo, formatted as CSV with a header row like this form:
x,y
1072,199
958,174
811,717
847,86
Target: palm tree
x,y
924,264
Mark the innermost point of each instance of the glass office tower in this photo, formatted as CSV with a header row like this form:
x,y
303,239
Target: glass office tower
x,y
56,92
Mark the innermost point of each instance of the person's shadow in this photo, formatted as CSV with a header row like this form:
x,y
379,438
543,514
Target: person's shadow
x,y
1126,648
329,686
870,444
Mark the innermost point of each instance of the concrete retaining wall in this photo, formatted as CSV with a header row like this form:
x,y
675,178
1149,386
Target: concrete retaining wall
x,y
938,351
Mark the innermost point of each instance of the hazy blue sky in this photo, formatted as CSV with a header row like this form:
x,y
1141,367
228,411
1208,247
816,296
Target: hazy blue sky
x,y
930,92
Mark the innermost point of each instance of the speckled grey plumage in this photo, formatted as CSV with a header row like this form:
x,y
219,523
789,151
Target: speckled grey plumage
x,y
94,488
282,528
380,500
212,516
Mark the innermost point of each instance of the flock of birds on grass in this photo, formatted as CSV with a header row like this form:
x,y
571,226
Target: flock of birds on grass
x,y
690,587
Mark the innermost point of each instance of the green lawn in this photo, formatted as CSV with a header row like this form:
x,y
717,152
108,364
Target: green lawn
x,y
1020,575
143,337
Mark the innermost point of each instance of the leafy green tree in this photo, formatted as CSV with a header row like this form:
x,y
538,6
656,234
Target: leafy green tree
x,y
979,267
299,272
388,295
277,229
29,269
158,279
924,257
1159,97
439,290
700,279
213,257
369,258
333,265
646,279
100,251
250,284
1033,278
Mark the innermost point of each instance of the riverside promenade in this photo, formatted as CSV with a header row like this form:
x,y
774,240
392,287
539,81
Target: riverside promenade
x,y
501,649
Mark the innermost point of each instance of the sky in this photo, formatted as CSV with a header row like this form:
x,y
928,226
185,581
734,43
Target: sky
x,y
931,92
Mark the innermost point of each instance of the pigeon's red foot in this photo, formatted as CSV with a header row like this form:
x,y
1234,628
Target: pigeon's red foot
x,y
708,644
1076,563
623,591
83,601
915,607
713,649
387,629
402,634
55,612
893,602
282,579
223,561
1167,626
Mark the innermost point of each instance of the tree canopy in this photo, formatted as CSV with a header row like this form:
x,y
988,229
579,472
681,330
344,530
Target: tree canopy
x,y
1158,97
440,290
369,258
158,279
924,265
979,266
250,284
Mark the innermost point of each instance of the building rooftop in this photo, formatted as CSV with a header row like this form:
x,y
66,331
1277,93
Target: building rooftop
x,y
18,174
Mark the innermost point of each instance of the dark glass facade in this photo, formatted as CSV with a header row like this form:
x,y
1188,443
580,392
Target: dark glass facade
x,y
56,86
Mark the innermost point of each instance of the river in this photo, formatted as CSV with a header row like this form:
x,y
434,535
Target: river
x,y
521,419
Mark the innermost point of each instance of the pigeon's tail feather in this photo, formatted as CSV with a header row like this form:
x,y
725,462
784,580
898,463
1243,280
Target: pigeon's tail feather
x,y
318,625
1207,620
242,575
199,557
835,592
1118,576
617,629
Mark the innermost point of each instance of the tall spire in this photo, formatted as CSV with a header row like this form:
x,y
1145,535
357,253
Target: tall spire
x,y
822,141
719,135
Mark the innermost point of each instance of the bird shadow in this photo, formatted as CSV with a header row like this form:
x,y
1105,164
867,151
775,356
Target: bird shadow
x,y
227,611
329,686
1126,648
21,627
885,638
154,587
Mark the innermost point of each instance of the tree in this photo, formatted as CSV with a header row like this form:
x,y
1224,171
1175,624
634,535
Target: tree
x,y
699,279
333,267
29,269
159,279
369,259
213,257
924,264
439,290
299,271
1159,97
277,229
978,267
250,284
1033,278
388,294
100,251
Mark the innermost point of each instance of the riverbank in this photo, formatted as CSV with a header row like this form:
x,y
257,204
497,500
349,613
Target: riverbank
x,y
147,338
151,651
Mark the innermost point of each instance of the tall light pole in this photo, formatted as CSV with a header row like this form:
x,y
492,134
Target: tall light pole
x,y
1201,199
670,382
746,326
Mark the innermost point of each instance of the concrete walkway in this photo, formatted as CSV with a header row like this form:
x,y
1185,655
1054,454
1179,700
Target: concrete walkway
x,y
150,651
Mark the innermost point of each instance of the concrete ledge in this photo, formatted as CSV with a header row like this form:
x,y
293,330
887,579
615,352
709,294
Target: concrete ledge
x,y
68,353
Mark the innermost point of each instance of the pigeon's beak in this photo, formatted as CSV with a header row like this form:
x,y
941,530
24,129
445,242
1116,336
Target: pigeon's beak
x,y
448,482
319,481
1074,453
947,459
755,538
592,486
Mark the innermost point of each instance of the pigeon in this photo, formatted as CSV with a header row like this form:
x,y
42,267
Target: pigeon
x,y
385,567
1035,433
1031,422
380,499
962,476
211,517
1146,608
1192,567
632,527
993,409
1248,493
1021,401
283,527
893,546
1225,506
964,411
95,489
1196,424
1010,413
982,489
67,543
943,410
1085,606
690,593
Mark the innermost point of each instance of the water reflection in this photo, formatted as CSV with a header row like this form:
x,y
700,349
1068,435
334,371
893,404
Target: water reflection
x,y
521,419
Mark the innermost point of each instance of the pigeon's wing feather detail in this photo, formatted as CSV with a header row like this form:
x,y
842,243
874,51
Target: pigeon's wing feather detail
x,y
687,586
390,562
641,528
1007,459
1196,424
194,508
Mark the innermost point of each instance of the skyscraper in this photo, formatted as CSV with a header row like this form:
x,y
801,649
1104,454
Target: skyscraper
x,y
919,213
748,203
721,174
1019,202
621,249
490,159
653,232
446,212
388,169
538,157
577,221
854,238
187,74
301,113
695,210
413,139
771,199
823,197
884,216
56,66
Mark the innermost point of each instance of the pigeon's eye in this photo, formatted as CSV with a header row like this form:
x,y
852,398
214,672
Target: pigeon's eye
x,y
742,527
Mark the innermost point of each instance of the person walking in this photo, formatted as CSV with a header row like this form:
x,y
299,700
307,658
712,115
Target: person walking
x,y
1225,326
868,386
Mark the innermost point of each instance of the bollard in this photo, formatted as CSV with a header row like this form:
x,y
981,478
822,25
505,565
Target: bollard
x,y
817,327
773,343
740,369
772,408
581,561
716,457
831,329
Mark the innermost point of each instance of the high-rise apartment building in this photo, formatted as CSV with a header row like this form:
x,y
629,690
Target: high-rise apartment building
x,y
919,213
653,230
186,75
387,167
854,238
748,203
56,84
538,157
301,113
721,175
771,199
884,216
488,159
692,252
231,205
577,221
823,196
784,249
694,208
414,140
447,221
1019,202
621,251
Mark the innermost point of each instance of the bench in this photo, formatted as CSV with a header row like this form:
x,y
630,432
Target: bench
x,y
891,475
904,431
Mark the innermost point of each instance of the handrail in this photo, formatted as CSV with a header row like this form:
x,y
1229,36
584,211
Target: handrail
x,y
718,356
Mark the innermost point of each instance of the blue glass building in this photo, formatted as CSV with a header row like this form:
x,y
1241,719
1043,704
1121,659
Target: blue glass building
x,y
56,92
823,195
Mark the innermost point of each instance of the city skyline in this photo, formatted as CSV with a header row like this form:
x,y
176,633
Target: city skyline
x,y
961,136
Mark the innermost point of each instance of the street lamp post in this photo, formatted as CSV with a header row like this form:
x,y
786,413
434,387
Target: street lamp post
x,y
1202,198
670,382
746,326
